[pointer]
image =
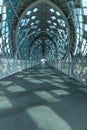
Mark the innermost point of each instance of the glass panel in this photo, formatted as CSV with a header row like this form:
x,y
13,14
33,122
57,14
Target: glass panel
x,y
78,36
57,13
83,45
22,24
39,29
84,3
52,10
28,12
1,2
33,17
37,21
79,10
48,29
81,25
77,30
53,17
7,42
55,24
34,27
49,21
85,50
85,11
52,27
32,24
81,32
35,9
85,27
80,18
27,20
0,10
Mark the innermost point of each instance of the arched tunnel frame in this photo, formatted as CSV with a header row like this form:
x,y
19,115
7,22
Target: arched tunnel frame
x,y
56,8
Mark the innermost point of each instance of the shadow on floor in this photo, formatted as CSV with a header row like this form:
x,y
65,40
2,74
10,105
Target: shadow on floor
x,y
40,99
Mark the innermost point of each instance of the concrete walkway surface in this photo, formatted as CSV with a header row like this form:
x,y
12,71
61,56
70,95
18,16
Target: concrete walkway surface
x,y
40,99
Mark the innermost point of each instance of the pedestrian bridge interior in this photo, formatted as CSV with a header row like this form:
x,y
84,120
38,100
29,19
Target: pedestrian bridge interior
x,y
43,65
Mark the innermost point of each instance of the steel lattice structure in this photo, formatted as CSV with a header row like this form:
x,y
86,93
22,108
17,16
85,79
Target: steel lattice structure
x,y
55,30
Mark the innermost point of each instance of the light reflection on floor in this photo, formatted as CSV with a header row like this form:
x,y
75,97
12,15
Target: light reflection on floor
x,y
49,121
40,99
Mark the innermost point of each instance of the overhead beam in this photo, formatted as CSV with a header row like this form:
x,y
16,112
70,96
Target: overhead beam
x,y
44,36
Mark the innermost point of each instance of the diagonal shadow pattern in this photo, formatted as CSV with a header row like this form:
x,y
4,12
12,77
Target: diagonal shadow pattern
x,y
40,99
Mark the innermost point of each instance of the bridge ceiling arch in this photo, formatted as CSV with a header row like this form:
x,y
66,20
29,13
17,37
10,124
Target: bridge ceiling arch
x,y
46,45
43,37
42,19
22,21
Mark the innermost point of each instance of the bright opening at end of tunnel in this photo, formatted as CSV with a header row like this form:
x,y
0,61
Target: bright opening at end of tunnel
x,y
43,61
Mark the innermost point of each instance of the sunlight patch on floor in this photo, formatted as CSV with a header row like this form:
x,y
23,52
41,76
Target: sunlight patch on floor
x,y
16,88
47,119
83,89
19,76
46,96
36,81
5,82
5,104
61,92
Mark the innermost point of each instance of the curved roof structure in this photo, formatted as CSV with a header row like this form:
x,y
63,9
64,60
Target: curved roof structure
x,y
55,28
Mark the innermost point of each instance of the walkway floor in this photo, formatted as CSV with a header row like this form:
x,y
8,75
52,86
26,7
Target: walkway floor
x,y
41,99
